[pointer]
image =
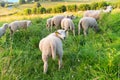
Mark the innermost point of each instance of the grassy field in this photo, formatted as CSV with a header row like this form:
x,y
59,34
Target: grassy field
x,y
94,57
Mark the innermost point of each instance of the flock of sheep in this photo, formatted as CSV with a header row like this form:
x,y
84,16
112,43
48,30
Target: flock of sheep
x,y
51,45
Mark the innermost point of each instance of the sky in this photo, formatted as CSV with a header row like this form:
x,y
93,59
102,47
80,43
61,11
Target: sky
x,y
12,0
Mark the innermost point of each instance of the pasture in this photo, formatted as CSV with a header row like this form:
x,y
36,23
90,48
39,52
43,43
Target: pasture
x,y
94,57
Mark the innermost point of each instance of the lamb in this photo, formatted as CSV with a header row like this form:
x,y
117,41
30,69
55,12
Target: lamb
x,y
68,24
52,46
48,23
14,26
56,20
3,29
96,13
87,22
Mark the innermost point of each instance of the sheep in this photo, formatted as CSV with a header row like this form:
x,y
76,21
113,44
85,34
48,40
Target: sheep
x,y
87,22
48,23
14,26
68,24
52,46
3,29
56,20
96,13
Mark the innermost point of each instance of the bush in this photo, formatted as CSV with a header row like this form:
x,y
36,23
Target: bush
x,y
41,10
102,4
84,7
2,4
49,10
72,8
27,11
59,9
94,5
116,5
37,4
34,10
21,1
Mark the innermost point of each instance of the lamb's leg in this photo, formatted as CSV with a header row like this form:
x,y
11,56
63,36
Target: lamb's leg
x,y
79,29
85,30
85,33
60,61
67,33
45,59
74,32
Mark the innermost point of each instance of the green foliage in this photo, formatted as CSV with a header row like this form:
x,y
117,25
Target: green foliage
x,y
94,5
59,9
98,5
84,7
72,8
41,10
21,1
34,10
95,56
2,4
102,4
116,4
27,11
37,4
49,10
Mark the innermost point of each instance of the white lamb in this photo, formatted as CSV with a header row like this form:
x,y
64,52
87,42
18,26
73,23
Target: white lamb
x,y
67,24
87,22
48,23
3,29
14,26
52,46
56,20
96,13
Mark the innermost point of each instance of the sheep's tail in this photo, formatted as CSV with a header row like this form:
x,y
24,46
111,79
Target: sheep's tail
x,y
53,47
79,27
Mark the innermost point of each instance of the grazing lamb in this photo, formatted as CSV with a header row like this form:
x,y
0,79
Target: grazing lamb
x,y
96,13
48,23
14,26
56,20
87,22
67,24
52,46
3,29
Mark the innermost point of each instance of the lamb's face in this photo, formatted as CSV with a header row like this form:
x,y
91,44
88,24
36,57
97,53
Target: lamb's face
x,y
29,23
61,33
71,16
109,8
5,25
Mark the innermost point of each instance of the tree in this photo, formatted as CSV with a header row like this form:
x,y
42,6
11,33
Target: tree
x,y
37,4
21,1
2,4
36,0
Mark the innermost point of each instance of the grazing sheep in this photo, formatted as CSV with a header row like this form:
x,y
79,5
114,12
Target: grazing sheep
x,y
67,24
87,22
3,29
96,13
52,46
56,20
13,26
48,23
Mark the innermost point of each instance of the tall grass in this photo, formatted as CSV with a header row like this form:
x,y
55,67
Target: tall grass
x,y
94,57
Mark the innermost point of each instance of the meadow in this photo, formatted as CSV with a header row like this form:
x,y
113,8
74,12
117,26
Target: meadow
x,y
94,57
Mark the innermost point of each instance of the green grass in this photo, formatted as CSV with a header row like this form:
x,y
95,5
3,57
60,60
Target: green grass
x,y
94,57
